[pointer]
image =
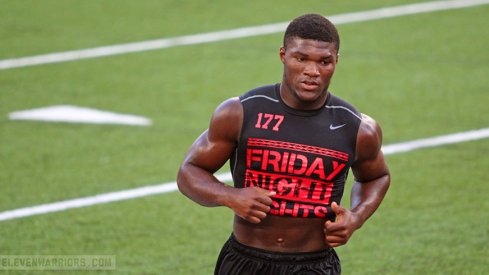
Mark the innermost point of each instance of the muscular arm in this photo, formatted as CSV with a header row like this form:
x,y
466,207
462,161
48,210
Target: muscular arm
x,y
372,179
210,152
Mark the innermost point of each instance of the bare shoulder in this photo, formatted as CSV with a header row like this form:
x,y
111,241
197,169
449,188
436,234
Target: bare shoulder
x,y
230,108
227,119
369,139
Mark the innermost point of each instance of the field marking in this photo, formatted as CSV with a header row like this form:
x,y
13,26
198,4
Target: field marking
x,y
231,34
75,114
225,177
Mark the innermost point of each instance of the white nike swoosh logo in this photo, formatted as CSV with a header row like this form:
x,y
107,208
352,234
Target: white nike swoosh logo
x,y
331,127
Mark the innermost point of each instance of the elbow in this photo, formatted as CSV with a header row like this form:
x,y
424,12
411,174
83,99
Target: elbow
x,y
182,182
386,182
387,179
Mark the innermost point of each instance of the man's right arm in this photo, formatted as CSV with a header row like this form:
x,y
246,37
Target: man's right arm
x,y
210,152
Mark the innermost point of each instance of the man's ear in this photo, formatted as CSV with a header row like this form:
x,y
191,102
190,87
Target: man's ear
x,y
337,57
282,54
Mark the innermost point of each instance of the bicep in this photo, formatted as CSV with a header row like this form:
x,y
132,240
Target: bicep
x,y
370,169
209,154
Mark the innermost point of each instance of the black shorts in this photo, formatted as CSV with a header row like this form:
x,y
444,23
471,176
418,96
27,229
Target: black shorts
x,y
236,258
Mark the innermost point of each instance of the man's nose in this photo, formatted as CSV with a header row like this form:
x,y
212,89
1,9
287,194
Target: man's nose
x,y
311,69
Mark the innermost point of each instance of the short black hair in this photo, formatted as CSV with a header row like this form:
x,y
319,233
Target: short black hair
x,y
312,26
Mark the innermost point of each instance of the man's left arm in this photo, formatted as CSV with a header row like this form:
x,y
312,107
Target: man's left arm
x,y
372,179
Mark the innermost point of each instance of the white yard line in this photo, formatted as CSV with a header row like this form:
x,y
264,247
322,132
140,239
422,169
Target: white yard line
x,y
225,177
231,34
76,114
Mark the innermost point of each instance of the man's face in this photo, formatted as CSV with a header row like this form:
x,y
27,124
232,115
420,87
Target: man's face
x,y
308,68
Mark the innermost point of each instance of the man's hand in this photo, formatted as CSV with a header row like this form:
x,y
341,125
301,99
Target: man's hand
x,y
339,232
251,203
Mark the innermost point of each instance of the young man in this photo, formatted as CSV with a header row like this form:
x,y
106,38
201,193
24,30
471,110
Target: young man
x,y
290,147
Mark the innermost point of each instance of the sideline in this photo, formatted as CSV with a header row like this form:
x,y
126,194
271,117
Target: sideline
x,y
225,177
231,34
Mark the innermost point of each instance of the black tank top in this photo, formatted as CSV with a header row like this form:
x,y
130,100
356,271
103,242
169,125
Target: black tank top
x,y
304,156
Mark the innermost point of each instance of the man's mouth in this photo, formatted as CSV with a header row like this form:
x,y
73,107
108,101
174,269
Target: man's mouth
x,y
309,85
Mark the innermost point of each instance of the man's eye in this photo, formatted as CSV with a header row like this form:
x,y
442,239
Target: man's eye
x,y
300,58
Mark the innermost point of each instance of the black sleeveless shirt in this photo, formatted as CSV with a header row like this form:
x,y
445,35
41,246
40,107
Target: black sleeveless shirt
x,y
304,156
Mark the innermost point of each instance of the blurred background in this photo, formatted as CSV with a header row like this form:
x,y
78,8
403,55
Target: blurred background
x,y
420,75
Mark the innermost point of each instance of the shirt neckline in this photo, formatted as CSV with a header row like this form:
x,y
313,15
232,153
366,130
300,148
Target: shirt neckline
x,y
298,112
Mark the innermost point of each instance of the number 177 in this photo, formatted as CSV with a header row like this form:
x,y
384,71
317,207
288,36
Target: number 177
x,y
264,120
